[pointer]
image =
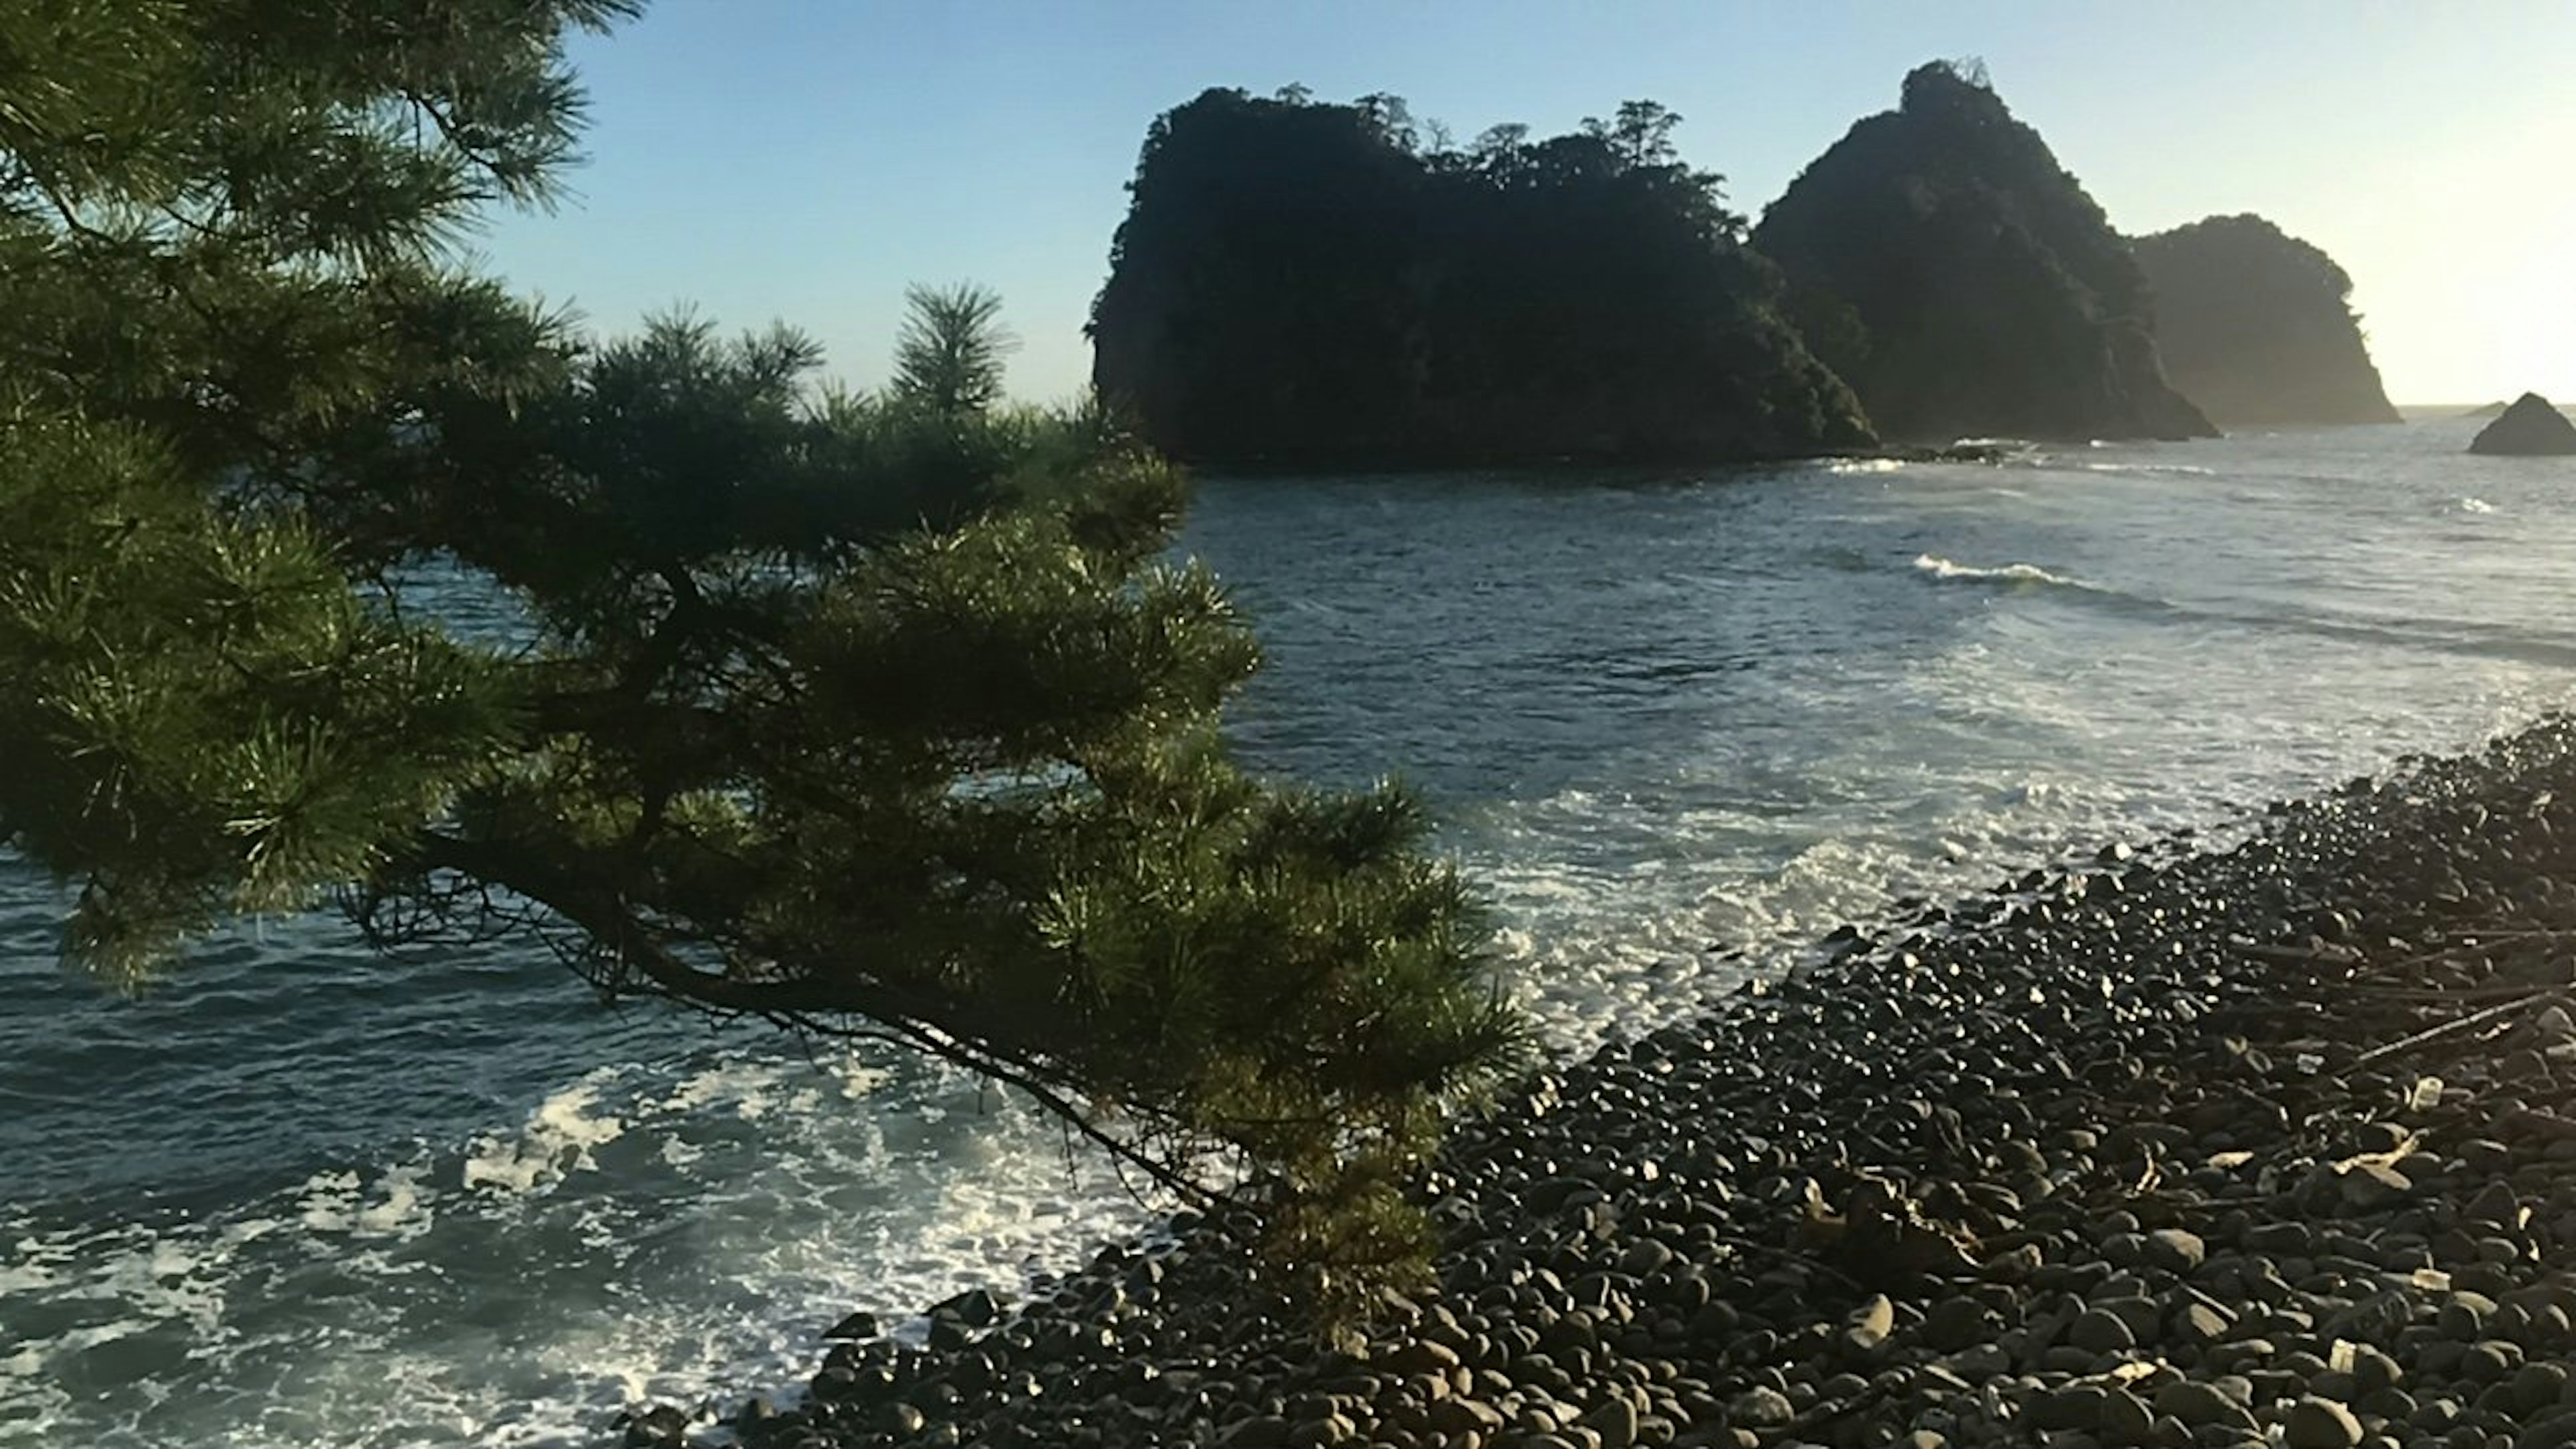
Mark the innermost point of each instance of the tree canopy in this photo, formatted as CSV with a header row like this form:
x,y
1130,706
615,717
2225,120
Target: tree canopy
x,y
1338,284
1964,283
881,714
2257,326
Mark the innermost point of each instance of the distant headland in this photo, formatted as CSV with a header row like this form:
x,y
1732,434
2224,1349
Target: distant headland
x,y
2257,326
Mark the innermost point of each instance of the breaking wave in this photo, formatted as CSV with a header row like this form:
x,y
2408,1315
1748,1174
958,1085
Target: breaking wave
x,y
1951,571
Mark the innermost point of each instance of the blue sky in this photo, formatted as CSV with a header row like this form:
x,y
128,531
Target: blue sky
x,y
804,159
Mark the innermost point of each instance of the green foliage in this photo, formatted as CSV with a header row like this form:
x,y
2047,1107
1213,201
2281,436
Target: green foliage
x,y
1964,283
1306,283
202,719
949,355
2258,327
219,226
878,715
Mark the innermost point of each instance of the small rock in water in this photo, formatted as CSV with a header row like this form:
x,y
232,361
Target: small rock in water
x,y
975,1308
659,1427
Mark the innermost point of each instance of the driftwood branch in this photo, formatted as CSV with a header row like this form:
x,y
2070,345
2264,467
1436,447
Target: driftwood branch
x,y
2450,1028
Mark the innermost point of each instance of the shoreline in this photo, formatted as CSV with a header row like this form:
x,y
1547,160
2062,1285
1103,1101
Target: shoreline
x,y
1404,466
2274,1145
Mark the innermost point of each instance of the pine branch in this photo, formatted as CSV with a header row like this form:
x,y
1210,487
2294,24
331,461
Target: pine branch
x,y
799,1005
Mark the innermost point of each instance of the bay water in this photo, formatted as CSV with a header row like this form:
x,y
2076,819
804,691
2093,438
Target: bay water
x,y
1676,724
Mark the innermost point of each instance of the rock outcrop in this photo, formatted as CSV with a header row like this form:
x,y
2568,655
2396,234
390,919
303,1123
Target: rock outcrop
x,y
1953,272
2529,428
2257,327
1299,284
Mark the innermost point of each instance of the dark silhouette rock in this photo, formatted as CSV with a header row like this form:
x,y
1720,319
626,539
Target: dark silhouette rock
x,y
1302,284
1952,271
2529,428
2257,326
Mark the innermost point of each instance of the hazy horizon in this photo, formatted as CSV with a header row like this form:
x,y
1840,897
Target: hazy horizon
x,y
805,162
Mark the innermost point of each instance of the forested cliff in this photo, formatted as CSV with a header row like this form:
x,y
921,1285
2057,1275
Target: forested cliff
x,y
2257,326
1312,284
1964,283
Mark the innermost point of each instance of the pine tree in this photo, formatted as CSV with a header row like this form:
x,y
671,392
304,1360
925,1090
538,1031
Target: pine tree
x,y
862,716
949,355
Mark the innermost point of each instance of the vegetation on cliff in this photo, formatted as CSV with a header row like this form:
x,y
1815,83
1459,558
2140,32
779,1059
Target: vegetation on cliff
x,y
1964,283
1314,284
879,715
2257,326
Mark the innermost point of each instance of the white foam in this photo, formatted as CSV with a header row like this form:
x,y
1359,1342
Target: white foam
x,y
326,1207
764,1196
404,1212
2173,470
556,1142
2014,573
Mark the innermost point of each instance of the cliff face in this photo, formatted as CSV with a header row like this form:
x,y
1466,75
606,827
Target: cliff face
x,y
1965,284
2257,326
1303,284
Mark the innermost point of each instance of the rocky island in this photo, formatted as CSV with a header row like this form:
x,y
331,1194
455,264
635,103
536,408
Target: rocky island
x,y
1314,285
1310,285
2529,427
1965,284
2257,326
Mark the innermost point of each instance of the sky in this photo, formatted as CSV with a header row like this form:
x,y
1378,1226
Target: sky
x,y
805,159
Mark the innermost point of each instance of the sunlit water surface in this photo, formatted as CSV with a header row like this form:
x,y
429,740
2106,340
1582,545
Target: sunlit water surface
x,y
301,1196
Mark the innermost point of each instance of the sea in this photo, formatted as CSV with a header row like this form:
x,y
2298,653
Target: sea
x,y
1676,725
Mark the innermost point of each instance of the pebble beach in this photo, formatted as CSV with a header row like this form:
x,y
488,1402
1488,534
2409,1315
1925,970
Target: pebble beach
x,y
2269,1146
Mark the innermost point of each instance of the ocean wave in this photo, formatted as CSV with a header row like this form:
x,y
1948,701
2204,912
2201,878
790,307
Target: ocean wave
x,y
2463,637
1949,570
2475,505
2175,470
802,1186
